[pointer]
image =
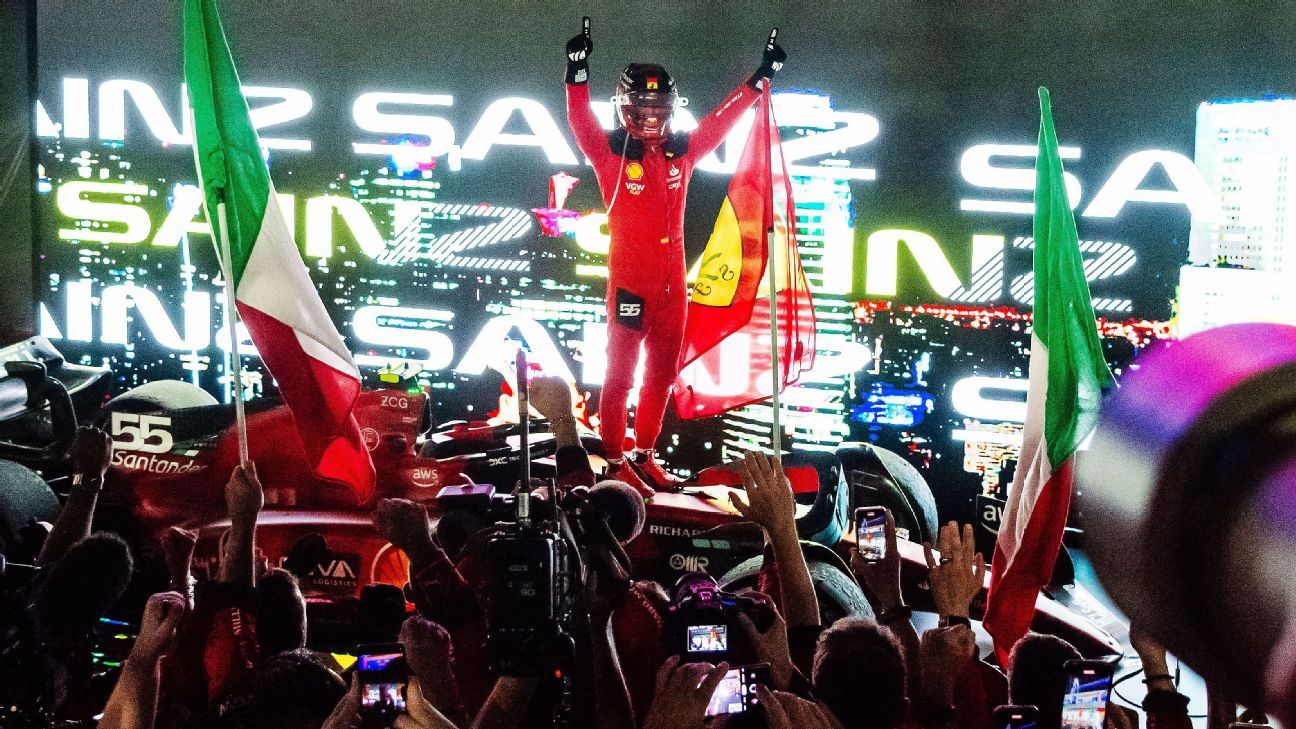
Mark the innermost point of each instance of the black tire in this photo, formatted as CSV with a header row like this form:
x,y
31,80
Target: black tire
x,y
24,497
839,595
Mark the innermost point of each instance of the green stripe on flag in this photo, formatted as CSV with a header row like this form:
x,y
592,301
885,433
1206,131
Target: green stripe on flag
x,y
226,147
1064,318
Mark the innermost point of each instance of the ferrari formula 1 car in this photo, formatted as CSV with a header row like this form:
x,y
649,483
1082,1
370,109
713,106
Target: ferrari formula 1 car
x,y
175,447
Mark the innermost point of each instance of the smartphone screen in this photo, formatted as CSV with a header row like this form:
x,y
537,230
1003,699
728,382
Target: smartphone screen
x,y
1016,717
737,690
1089,686
708,638
870,532
383,676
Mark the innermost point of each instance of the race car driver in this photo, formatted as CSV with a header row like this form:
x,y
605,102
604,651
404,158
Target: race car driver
x,y
643,169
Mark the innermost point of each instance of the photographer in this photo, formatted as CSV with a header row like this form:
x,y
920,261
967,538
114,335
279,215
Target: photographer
x,y
48,670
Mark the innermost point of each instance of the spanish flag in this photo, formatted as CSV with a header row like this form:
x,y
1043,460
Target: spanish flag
x,y
726,361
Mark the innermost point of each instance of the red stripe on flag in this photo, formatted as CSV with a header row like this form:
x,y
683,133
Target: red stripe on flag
x,y
320,398
1010,603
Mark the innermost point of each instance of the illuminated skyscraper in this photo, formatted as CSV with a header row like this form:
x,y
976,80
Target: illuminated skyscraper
x,y
1246,151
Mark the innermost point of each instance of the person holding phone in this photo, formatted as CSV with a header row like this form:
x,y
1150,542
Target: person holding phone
x,y
643,169
877,567
684,691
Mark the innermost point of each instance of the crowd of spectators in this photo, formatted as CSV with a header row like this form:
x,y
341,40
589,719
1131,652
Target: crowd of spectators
x,y
228,645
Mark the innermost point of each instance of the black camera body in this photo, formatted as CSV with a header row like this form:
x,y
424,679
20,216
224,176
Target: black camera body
x,y
467,509
529,596
702,621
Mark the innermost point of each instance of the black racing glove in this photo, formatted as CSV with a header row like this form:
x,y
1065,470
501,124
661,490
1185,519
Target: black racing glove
x,y
772,59
578,51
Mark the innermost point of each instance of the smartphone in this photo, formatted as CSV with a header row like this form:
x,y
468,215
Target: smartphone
x,y
1089,685
1013,716
736,692
707,638
383,675
870,532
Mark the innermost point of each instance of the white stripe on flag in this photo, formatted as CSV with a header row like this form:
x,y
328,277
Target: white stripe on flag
x,y
276,282
1033,467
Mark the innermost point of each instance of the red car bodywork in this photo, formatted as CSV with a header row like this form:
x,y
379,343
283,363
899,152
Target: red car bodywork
x,y
185,486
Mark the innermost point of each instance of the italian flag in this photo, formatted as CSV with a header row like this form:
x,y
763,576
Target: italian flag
x,y
271,287
1067,378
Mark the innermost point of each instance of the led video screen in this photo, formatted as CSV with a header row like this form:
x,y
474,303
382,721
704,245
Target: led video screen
x,y
411,142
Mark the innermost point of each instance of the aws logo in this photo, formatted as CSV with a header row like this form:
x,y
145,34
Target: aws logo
x,y
634,170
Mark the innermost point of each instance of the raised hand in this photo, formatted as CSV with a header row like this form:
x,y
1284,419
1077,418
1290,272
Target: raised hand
x,y
943,653
769,501
177,552
428,650
90,452
551,397
683,692
959,575
579,49
346,715
243,494
405,524
157,632
419,712
772,59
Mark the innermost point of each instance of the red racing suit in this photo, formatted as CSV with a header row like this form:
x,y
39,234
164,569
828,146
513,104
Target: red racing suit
x,y
645,192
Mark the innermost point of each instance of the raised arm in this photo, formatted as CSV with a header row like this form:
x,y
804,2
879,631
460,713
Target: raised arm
x,y
133,703
770,503
590,136
244,499
715,126
90,453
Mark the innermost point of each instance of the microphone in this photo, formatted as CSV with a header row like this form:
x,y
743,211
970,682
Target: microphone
x,y
622,505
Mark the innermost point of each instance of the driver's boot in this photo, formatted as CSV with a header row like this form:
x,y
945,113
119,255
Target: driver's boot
x,y
651,471
622,471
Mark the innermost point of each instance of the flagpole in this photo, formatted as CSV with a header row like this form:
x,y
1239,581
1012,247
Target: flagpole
x,y
231,324
776,437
